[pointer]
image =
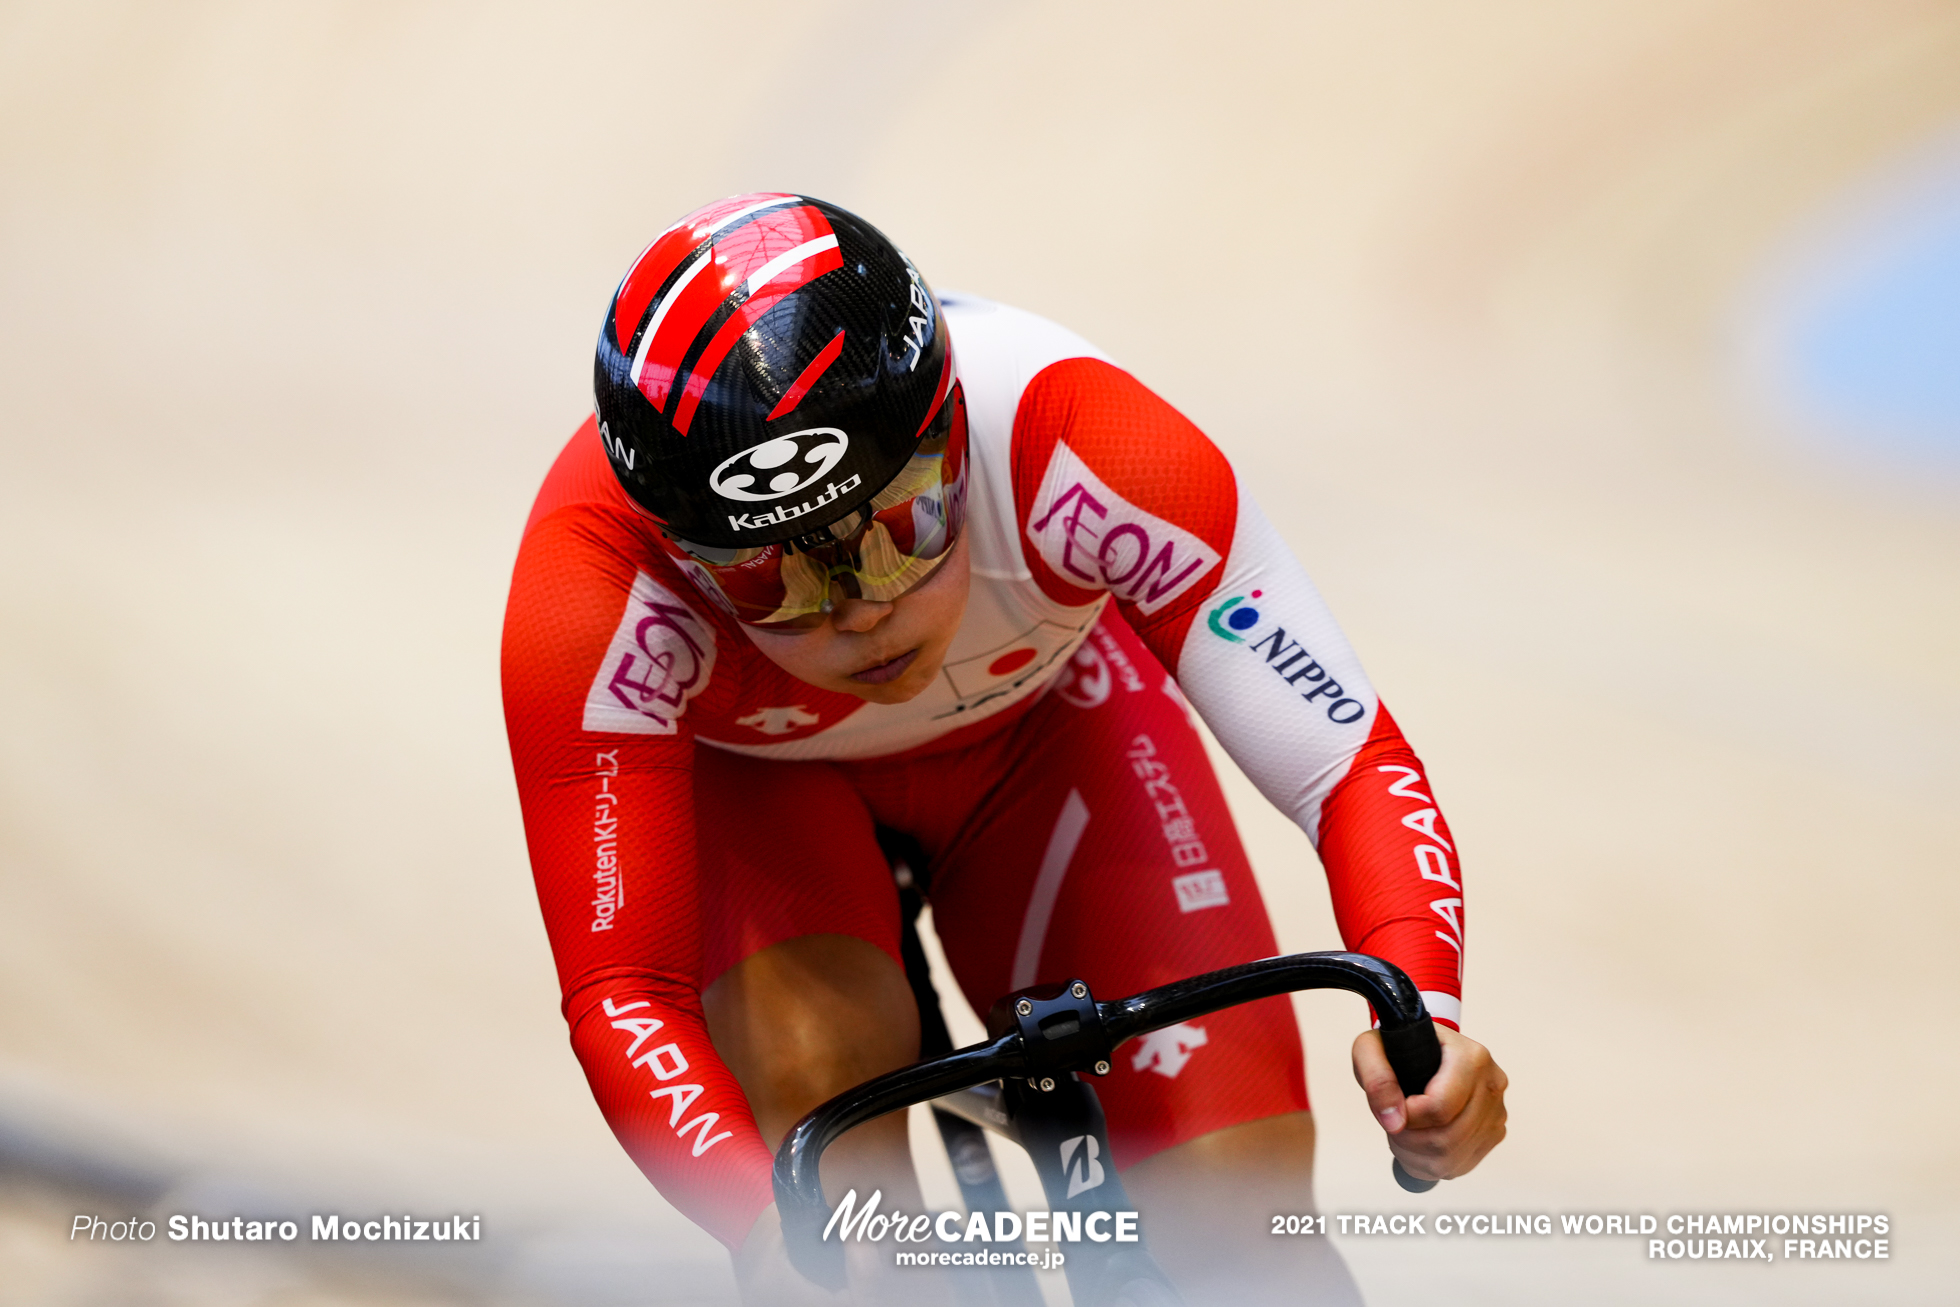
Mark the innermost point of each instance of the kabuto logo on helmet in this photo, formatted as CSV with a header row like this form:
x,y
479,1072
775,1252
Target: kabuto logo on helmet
x,y
779,466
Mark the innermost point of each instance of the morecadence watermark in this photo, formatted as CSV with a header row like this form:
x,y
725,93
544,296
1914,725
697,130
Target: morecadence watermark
x,y
866,1224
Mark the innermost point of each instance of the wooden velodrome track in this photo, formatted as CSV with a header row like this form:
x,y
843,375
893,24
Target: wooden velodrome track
x,y
299,306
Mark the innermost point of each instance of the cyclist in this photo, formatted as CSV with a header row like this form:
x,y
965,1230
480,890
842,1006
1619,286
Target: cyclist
x,y
836,552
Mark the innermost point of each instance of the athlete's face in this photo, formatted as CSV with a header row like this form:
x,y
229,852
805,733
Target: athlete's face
x,y
882,652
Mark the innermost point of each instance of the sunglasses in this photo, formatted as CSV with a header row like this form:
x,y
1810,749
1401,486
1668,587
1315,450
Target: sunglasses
x,y
883,549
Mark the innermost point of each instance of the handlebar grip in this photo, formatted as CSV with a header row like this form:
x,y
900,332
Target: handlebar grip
x,y
1414,1054
1408,1181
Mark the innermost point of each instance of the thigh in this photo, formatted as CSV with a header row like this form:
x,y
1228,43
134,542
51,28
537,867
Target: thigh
x,y
785,849
1106,852
803,988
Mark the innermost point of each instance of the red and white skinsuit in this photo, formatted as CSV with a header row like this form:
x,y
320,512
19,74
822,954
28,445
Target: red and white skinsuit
x,y
1051,771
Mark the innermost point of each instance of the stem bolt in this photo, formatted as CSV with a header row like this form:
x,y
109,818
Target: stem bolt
x,y
1025,1008
1081,990
1102,1068
1047,1084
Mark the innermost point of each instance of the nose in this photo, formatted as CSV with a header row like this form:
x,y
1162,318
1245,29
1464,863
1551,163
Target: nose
x,y
859,615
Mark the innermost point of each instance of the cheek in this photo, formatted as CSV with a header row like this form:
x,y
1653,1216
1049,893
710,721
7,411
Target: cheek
x,y
806,657
942,607
946,622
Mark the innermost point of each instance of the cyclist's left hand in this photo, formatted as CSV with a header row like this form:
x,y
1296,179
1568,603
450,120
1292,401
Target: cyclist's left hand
x,y
1444,1131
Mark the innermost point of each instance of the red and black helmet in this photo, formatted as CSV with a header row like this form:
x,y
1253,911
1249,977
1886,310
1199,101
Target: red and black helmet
x,y
768,364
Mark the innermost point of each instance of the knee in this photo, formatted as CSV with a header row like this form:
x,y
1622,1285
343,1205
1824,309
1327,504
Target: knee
x,y
804,1020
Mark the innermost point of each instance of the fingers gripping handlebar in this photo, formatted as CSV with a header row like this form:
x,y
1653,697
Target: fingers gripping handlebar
x,y
1050,1031
1408,1035
1414,1054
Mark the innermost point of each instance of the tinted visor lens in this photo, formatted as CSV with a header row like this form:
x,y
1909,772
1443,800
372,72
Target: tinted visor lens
x,y
879,551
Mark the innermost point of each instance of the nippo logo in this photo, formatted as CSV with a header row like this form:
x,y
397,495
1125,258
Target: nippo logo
x,y
1229,614
1236,620
779,466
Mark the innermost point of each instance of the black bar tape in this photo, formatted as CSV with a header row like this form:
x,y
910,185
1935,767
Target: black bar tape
x,y
1414,1053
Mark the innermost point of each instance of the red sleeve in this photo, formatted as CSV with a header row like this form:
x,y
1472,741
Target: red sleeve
x,y
1392,867
609,819
1118,491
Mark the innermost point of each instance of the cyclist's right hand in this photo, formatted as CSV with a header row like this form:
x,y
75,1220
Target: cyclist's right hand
x,y
765,1274
1446,1130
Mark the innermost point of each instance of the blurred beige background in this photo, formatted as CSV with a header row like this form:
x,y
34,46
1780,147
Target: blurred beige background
x,y
298,307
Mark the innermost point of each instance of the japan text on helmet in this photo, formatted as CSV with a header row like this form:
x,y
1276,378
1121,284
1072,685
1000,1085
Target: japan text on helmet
x,y
768,364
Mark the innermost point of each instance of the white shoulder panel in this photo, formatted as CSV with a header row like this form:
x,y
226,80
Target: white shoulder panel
x,y
1274,677
999,350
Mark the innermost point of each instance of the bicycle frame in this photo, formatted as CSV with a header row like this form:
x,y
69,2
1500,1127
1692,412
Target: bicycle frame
x,y
1041,1041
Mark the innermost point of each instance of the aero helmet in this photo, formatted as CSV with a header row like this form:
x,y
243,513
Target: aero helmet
x,y
768,366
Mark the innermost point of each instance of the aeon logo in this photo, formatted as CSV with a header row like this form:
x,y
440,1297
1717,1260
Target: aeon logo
x,y
779,466
1089,1174
1095,539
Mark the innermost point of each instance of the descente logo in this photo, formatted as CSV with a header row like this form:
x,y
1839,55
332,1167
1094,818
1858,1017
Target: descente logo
x,y
1237,620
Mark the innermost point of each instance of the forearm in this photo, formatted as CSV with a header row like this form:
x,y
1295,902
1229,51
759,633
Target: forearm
x,y
671,1102
1392,868
613,854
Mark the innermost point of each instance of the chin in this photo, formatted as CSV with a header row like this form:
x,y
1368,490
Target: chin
x,y
905,689
896,693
